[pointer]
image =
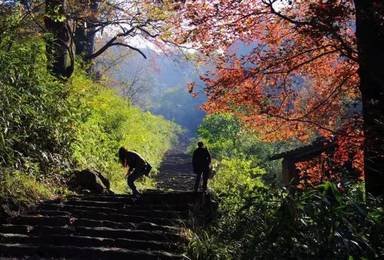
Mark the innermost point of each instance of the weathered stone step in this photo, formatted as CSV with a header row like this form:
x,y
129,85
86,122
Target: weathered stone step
x,y
43,220
170,198
130,225
125,218
94,231
49,251
130,211
102,227
87,241
122,204
40,218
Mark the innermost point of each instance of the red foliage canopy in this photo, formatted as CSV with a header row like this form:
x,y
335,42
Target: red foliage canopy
x,y
299,74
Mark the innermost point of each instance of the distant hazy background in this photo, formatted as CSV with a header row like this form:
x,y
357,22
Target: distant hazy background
x,y
156,84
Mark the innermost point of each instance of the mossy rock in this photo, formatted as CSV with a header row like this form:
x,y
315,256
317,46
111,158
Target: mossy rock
x,y
90,180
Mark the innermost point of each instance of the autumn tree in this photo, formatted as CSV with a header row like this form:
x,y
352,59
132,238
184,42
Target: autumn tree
x,y
297,69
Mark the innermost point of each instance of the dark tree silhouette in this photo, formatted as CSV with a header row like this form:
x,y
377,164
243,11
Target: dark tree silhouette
x,y
370,41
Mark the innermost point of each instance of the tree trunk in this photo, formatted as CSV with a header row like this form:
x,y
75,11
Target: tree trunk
x,y
59,43
86,31
370,41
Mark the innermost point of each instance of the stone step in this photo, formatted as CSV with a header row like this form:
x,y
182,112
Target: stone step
x,y
122,204
72,252
124,218
88,221
68,206
43,220
130,225
102,227
94,231
87,241
50,213
160,198
137,205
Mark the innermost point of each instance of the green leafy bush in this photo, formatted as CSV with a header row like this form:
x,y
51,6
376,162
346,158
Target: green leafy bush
x,y
257,220
236,179
323,223
107,121
34,115
226,137
48,126
20,190
35,118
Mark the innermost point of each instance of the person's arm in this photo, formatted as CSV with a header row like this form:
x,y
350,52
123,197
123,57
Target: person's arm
x,y
194,160
130,170
125,163
129,166
130,163
208,157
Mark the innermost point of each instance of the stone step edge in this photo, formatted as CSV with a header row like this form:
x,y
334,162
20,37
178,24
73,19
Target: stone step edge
x,y
5,236
73,249
28,229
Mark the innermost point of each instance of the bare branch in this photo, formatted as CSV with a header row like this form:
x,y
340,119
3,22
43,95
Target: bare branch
x,y
110,43
130,47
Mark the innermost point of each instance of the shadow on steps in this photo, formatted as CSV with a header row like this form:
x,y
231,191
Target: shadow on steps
x,y
107,227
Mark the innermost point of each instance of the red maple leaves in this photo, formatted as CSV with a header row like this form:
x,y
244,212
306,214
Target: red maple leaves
x,y
299,77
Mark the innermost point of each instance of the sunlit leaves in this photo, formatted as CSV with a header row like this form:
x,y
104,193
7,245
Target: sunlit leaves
x,y
34,114
106,121
287,70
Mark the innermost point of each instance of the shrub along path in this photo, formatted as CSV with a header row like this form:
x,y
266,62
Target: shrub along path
x,y
109,226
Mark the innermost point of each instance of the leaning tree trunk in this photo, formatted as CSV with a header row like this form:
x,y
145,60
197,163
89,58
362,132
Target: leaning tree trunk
x,y
59,41
370,40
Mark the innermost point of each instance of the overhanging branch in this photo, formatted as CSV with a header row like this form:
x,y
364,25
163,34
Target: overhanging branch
x,y
112,42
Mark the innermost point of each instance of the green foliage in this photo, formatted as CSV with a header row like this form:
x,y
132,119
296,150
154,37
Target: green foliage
x,y
107,121
34,114
323,223
221,133
35,119
20,190
236,179
260,221
48,127
227,137
204,246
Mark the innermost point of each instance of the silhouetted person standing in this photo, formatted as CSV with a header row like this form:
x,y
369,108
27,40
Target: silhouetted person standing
x,y
137,167
201,160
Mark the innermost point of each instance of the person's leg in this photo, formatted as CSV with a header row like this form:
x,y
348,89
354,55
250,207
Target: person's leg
x,y
205,179
197,182
131,179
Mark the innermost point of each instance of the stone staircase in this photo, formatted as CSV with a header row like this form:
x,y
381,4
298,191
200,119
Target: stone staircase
x,y
102,227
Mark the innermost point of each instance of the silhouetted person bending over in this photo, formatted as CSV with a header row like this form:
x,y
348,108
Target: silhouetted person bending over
x,y
137,167
201,160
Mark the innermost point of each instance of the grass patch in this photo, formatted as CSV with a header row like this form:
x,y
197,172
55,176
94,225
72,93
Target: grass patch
x,y
19,191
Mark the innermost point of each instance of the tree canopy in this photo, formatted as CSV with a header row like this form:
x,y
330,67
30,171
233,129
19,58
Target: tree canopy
x,y
297,69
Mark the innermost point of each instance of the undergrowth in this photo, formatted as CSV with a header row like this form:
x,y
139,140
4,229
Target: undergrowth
x,y
19,191
257,220
49,127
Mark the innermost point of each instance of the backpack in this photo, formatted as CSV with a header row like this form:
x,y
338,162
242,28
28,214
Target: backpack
x,y
147,169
